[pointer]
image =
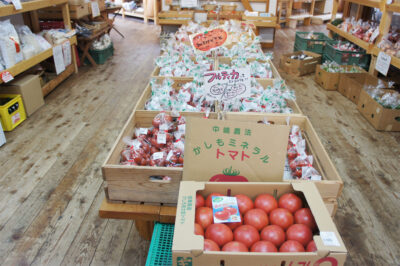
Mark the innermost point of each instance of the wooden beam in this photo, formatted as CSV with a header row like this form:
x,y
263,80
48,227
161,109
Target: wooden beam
x,y
247,5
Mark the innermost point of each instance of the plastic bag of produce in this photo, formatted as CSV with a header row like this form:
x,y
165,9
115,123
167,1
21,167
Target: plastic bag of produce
x,y
10,45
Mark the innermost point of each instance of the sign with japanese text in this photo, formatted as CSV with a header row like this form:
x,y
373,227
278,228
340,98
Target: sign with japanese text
x,y
228,84
209,40
232,151
383,63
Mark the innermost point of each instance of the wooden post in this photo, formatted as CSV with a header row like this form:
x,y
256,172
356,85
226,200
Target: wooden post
x,y
145,17
35,21
372,69
360,9
289,12
65,15
145,228
346,9
334,9
155,12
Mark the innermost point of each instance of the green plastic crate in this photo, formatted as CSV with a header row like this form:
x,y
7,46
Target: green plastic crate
x,y
100,57
359,58
315,45
160,253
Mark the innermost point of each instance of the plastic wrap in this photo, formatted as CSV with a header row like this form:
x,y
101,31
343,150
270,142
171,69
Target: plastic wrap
x,y
10,45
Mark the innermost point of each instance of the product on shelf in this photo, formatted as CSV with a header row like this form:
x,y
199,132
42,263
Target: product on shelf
x,y
390,100
160,145
301,56
390,44
264,224
364,30
258,69
102,43
192,97
10,45
333,67
346,47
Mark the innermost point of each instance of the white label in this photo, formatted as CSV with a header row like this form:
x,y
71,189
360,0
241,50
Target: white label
x,y
15,118
228,84
182,128
163,127
66,46
136,144
143,131
374,35
17,4
170,153
158,155
329,239
58,59
6,76
95,9
161,138
383,63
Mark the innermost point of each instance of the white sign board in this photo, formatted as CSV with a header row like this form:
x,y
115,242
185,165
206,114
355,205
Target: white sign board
x,y
383,63
95,9
66,46
58,58
189,3
228,84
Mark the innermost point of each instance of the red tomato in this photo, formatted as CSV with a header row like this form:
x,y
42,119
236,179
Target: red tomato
x,y
244,203
231,210
291,246
304,216
281,217
235,246
219,233
233,226
311,247
209,199
199,201
210,245
222,215
198,230
246,234
263,246
291,202
204,216
256,218
273,234
300,233
266,202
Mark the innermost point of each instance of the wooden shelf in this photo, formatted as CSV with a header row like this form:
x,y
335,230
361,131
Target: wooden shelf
x,y
395,61
9,10
26,64
370,3
395,7
363,44
300,17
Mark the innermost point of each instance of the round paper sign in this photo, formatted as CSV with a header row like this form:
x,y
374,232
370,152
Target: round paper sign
x,y
210,39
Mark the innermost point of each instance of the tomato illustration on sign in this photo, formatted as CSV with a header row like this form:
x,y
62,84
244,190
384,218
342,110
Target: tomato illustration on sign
x,y
229,175
210,39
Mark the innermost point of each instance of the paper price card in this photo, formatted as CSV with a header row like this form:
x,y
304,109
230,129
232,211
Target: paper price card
x,y
209,40
383,63
58,58
95,9
66,47
233,151
6,76
225,209
228,84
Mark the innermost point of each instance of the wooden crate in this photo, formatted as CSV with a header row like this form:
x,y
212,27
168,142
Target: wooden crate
x,y
264,22
132,183
175,17
76,12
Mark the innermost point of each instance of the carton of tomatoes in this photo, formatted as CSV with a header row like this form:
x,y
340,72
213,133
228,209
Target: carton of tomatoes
x,y
280,223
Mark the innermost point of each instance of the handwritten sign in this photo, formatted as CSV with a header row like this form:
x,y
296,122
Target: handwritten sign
x,y
383,63
228,84
209,39
6,76
233,151
95,8
58,58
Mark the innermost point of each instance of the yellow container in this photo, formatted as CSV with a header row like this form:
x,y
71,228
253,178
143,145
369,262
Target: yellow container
x,y
12,111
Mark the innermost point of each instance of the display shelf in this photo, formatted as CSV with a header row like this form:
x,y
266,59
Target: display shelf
x,y
363,44
26,64
395,61
9,10
395,7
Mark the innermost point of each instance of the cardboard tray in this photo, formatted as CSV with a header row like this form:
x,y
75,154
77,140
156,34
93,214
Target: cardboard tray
x,y
132,183
300,67
178,83
188,247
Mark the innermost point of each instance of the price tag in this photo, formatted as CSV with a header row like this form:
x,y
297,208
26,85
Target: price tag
x,y
329,239
66,47
383,63
158,155
58,59
95,9
170,153
143,131
161,138
6,76
163,127
182,128
374,35
15,118
225,209
17,4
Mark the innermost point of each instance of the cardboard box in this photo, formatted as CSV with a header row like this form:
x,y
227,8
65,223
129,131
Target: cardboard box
x,y
187,248
133,183
2,136
30,89
300,67
381,118
329,80
351,84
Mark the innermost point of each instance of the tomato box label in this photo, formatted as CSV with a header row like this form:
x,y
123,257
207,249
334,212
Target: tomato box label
x,y
232,151
225,209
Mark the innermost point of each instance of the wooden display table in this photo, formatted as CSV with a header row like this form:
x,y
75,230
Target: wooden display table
x,y
143,215
84,43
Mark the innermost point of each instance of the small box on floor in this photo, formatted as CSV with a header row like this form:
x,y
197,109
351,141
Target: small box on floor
x,y
351,85
28,86
380,117
300,63
330,80
2,136
12,112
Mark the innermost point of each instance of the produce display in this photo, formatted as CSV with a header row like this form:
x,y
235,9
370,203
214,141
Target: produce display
x,y
390,44
160,145
364,30
258,69
390,100
347,47
333,67
267,225
192,97
312,36
300,56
